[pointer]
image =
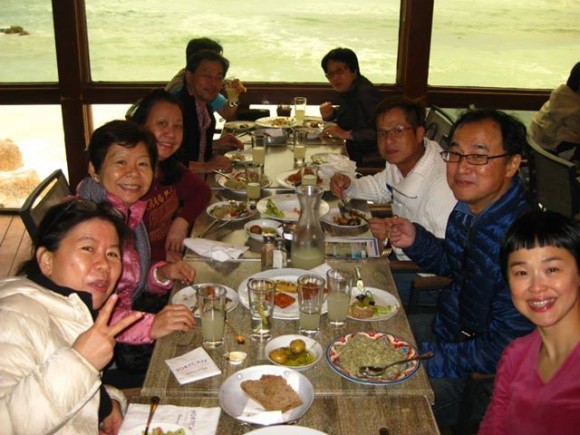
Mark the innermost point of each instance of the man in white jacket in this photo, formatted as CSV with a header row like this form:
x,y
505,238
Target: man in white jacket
x,y
413,181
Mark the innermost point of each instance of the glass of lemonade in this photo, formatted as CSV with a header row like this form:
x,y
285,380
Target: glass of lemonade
x,y
299,147
253,182
211,299
259,149
232,90
310,175
261,294
339,286
310,299
299,109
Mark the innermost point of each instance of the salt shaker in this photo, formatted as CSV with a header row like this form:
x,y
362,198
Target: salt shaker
x,y
280,259
267,252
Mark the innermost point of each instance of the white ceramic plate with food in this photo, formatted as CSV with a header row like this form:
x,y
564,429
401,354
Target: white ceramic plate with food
x,y
187,296
323,158
233,400
239,126
289,179
399,348
240,156
276,122
285,207
285,430
335,219
230,211
165,427
255,228
285,279
236,182
386,305
300,361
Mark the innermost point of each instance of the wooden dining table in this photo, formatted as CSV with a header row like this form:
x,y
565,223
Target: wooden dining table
x,y
340,405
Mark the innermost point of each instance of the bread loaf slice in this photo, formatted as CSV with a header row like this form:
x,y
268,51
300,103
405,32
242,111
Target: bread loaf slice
x,y
272,392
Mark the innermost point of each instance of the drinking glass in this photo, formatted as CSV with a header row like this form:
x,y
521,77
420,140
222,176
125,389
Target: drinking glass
x,y
259,149
261,296
339,286
310,175
299,147
283,110
299,109
211,299
231,90
310,299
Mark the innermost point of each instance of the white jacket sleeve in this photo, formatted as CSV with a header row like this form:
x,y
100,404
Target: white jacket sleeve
x,y
370,188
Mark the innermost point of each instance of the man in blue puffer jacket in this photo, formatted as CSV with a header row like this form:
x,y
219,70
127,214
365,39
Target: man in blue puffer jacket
x,y
476,318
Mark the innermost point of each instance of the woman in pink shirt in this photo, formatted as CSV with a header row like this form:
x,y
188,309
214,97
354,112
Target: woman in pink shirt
x,y
537,387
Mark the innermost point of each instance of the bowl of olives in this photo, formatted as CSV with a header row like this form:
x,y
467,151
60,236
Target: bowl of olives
x,y
294,351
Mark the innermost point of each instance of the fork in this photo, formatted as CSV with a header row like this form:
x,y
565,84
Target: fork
x,y
387,247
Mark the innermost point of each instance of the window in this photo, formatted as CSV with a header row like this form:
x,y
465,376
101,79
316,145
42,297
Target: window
x,y
509,44
264,40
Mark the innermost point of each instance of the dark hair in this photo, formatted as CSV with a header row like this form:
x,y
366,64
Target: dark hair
x,y
513,131
140,113
345,55
574,79
62,218
198,57
124,133
537,229
414,110
196,44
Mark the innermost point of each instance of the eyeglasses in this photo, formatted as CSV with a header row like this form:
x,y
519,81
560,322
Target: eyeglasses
x,y
336,72
472,159
396,131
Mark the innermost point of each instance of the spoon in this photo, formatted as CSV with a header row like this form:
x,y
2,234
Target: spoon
x,y
239,337
374,371
152,409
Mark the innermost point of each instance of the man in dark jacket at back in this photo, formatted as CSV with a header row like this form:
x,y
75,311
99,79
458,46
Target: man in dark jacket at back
x,y
476,318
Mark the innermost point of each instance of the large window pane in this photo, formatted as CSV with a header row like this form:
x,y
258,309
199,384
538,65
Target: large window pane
x,y
31,148
145,40
498,43
27,55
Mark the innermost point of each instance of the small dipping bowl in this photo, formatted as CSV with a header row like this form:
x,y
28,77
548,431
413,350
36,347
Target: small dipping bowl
x,y
236,357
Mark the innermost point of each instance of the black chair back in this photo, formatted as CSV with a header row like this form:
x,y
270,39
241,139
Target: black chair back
x,y
437,125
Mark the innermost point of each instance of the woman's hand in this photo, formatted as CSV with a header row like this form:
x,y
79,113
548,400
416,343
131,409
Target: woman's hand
x,y
96,343
179,270
219,163
226,143
337,132
112,423
172,318
176,234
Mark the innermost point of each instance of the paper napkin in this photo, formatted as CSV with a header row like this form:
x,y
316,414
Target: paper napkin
x,y
215,250
336,163
193,366
254,413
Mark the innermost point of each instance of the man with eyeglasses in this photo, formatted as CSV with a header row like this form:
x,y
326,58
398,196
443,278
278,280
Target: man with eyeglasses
x,y
413,180
354,117
476,318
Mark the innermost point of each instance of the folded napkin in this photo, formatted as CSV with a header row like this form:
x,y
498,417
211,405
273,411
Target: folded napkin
x,y
254,413
193,366
215,250
321,269
195,420
336,163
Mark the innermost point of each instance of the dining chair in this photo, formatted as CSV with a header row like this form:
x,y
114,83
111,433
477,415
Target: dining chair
x,y
49,192
437,125
552,181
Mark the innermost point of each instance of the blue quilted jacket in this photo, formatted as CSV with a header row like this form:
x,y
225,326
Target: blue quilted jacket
x,y
478,301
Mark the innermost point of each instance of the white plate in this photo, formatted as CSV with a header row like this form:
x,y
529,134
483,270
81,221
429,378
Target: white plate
x,y
285,430
240,156
276,122
328,218
288,203
139,430
233,400
284,341
381,298
186,296
322,158
239,126
222,181
243,216
261,223
282,179
291,312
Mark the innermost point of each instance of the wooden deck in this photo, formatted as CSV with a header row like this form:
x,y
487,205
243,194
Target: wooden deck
x,y
15,244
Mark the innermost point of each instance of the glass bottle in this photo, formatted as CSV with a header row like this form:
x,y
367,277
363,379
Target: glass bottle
x,y
280,255
267,252
307,249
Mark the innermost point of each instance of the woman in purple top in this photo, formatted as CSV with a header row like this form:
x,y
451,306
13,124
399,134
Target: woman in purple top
x,y
537,387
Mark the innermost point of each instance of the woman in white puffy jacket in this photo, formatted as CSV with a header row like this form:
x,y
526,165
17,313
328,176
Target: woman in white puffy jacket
x,y
53,341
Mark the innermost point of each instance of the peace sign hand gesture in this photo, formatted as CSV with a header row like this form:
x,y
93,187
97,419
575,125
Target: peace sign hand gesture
x,y
96,344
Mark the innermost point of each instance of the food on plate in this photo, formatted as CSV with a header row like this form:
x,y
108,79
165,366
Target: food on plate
x,y
239,156
273,210
296,177
272,392
281,122
365,307
295,355
313,123
362,350
231,210
257,229
347,219
282,285
159,431
238,182
283,300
